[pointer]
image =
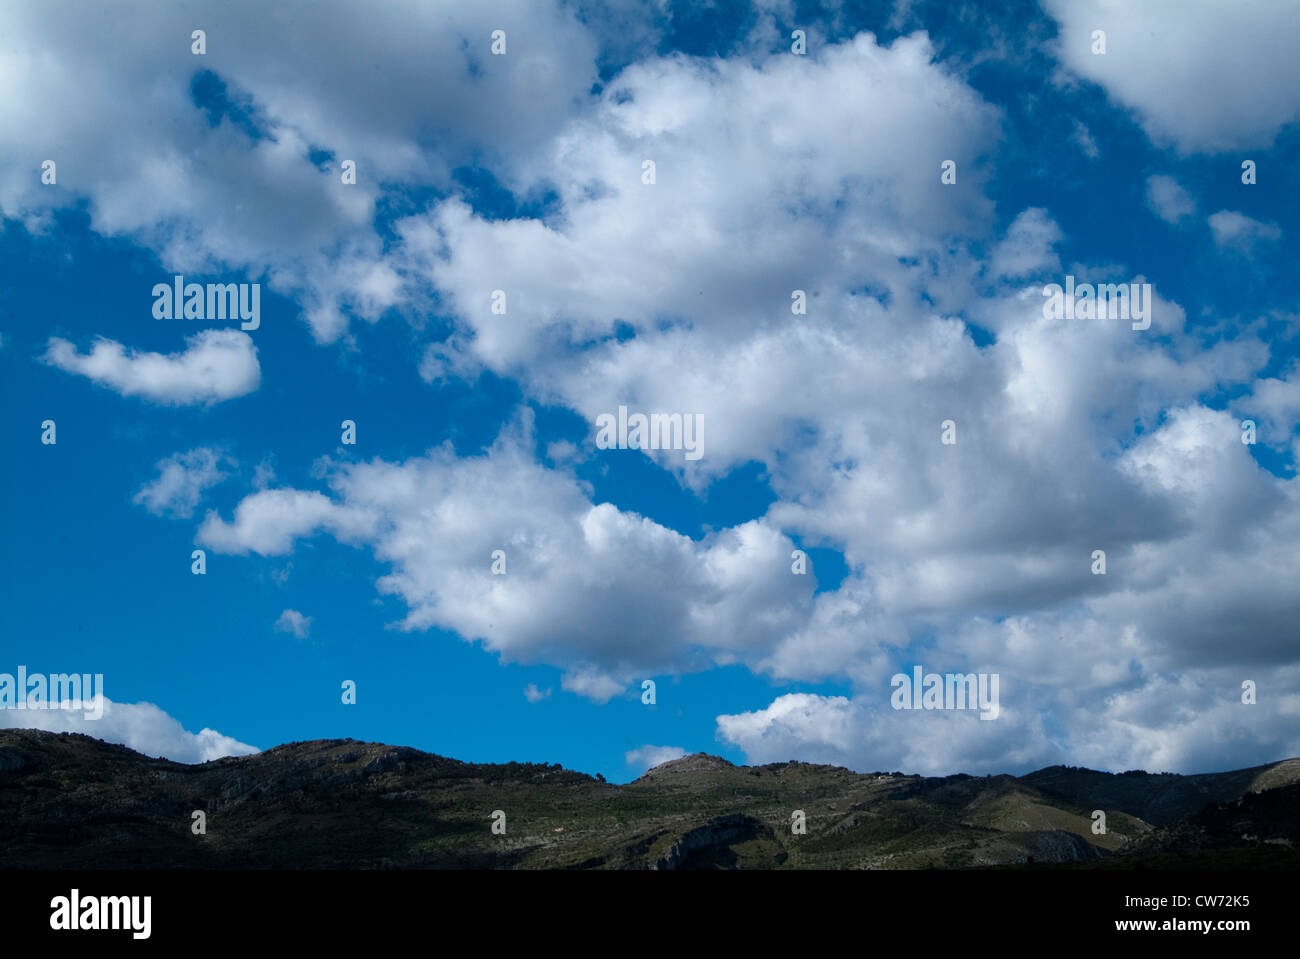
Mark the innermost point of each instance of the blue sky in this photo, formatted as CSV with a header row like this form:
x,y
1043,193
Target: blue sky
x,y
523,172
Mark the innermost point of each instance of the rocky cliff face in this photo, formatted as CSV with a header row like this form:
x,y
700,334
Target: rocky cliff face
x,y
72,801
714,845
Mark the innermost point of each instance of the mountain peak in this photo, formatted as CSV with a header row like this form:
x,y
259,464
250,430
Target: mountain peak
x,y
695,762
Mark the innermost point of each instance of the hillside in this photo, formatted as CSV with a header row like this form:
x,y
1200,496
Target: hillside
x,y
68,800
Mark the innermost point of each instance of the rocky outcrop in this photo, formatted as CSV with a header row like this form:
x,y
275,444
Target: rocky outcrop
x,y
711,846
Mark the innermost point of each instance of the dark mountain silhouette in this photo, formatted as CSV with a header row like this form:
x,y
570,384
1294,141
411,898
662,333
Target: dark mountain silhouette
x,y
71,801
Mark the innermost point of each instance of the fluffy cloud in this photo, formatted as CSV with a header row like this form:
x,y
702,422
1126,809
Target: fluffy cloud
x,y
867,735
755,195
1277,401
1193,723
269,521
1027,247
246,176
292,621
216,365
1183,68
1159,724
141,726
1168,200
1236,230
647,757
574,569
591,683
1142,667
181,482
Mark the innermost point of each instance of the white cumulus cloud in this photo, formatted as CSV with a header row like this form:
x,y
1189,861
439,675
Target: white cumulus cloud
x,y
647,757
292,621
1168,200
1201,75
216,365
1236,230
141,726
181,481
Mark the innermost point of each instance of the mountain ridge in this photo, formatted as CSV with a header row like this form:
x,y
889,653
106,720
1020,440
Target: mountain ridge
x,y
70,801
